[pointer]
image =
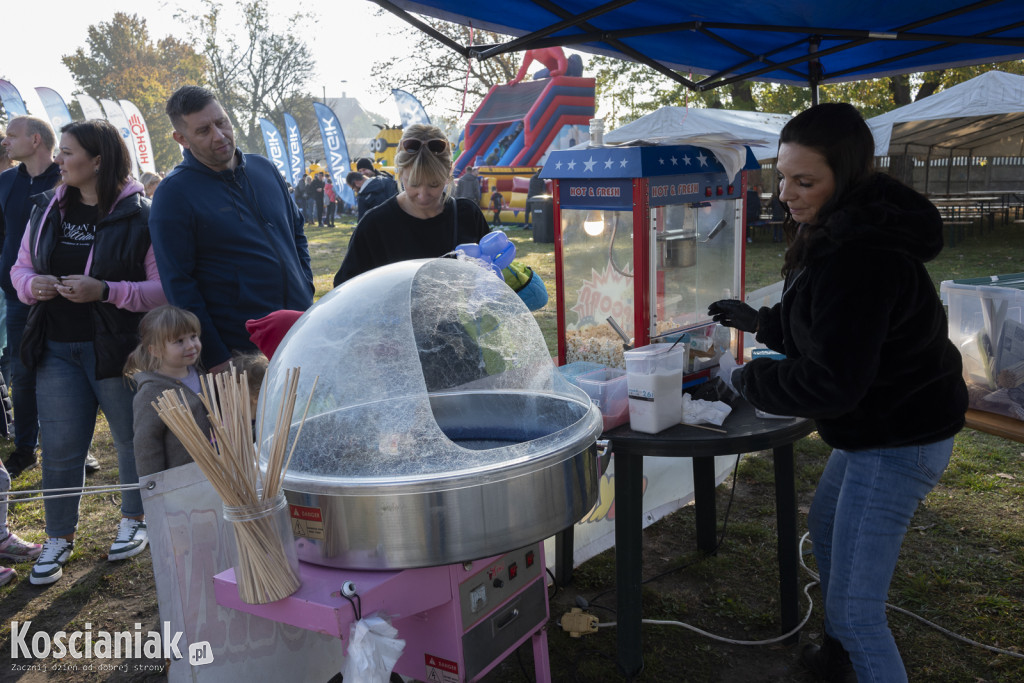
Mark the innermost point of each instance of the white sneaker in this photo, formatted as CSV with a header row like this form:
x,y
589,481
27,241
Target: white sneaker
x,y
132,539
49,567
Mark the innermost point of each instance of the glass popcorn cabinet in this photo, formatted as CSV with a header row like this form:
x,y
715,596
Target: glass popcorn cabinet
x,y
646,237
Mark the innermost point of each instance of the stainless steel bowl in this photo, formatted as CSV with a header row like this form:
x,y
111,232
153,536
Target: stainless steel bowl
x,y
516,481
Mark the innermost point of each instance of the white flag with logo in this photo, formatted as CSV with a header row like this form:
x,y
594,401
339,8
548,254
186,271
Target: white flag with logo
x,y
139,136
120,121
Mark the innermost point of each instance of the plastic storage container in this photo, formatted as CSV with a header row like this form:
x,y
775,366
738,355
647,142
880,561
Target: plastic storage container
x,y
608,389
986,322
654,374
573,371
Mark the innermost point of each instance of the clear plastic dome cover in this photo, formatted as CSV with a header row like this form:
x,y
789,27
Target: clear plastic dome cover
x,y
426,368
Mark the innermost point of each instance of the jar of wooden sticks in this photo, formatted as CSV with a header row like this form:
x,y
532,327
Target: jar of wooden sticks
x,y
266,565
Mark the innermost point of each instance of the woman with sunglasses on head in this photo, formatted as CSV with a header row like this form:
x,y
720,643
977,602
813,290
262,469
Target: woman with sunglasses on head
x,y
421,221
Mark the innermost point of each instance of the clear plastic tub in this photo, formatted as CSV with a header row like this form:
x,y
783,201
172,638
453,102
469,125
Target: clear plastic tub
x,y
608,389
986,322
654,375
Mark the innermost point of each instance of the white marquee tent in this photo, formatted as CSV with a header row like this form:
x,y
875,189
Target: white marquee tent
x,y
670,123
980,117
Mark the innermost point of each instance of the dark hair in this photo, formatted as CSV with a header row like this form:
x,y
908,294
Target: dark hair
x,y
100,138
364,162
837,131
188,99
354,176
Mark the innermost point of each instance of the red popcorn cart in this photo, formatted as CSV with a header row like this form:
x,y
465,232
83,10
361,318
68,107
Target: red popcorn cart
x,y
646,237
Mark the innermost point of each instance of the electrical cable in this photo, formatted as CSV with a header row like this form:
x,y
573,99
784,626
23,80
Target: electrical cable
x,y
944,631
807,616
721,539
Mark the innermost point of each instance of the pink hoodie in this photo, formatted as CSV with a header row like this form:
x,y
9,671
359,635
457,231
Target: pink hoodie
x,y
132,296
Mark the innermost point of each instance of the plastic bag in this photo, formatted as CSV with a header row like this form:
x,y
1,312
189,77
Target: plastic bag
x,y
373,650
726,364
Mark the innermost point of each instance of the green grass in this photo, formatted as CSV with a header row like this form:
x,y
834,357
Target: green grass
x,y
962,564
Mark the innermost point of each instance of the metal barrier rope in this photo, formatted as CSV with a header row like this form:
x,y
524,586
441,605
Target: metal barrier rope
x,y
19,496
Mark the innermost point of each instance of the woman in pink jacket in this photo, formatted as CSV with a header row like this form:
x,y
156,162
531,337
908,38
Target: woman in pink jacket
x,y
86,267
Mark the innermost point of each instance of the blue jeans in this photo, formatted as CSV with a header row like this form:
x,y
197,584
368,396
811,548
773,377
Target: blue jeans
x,y
22,380
860,514
5,354
68,394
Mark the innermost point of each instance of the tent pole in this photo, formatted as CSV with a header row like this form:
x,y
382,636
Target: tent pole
x,y
970,162
927,169
813,68
949,171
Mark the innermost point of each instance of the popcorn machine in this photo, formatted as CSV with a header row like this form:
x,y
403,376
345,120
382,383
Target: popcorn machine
x,y
646,237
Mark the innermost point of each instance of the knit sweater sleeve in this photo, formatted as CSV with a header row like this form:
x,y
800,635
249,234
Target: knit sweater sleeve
x,y
149,431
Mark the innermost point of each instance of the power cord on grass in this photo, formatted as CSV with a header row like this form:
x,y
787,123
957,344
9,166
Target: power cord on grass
x,y
944,631
701,557
810,607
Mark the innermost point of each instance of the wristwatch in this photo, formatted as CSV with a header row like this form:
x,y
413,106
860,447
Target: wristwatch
x,y
106,291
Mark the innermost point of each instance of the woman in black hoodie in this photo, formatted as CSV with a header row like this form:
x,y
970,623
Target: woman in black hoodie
x,y
869,358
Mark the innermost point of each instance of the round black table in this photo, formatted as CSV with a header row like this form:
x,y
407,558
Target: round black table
x,y
745,433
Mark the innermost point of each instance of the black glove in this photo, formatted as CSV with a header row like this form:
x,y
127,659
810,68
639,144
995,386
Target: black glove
x,y
734,313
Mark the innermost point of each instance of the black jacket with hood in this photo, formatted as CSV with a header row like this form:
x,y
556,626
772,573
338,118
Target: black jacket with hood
x,y
865,335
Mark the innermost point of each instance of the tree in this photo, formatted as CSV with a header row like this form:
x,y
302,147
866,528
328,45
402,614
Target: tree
x,y
438,75
261,74
121,62
618,82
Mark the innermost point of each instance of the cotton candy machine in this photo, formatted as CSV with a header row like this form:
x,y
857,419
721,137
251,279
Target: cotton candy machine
x,y
440,430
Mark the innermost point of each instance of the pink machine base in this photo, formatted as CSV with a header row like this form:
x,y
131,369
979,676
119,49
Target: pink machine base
x,y
459,621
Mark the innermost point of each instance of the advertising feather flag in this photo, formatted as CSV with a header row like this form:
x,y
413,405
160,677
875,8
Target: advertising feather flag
x,y
56,110
116,117
91,109
275,147
139,136
296,157
335,150
11,99
409,108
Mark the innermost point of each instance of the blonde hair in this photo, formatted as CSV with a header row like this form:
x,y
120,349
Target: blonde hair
x,y
157,327
424,166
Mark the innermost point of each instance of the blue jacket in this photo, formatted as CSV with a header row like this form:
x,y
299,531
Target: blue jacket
x,y
374,192
16,186
230,248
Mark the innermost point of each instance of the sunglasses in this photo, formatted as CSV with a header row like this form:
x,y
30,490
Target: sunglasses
x,y
411,145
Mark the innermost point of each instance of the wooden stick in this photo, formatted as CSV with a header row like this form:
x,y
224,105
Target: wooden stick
x,y
230,460
710,429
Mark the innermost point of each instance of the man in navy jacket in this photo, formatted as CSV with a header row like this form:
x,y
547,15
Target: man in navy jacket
x,y
29,140
227,235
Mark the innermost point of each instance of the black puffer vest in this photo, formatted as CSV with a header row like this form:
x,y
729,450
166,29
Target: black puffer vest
x,y
118,253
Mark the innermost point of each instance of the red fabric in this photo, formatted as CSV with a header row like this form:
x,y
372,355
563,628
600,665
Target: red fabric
x,y
267,332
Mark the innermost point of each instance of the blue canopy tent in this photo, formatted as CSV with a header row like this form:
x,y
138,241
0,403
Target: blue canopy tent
x,y
797,42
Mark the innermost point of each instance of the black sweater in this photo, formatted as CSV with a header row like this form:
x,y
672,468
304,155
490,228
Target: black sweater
x,y
387,234
863,330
